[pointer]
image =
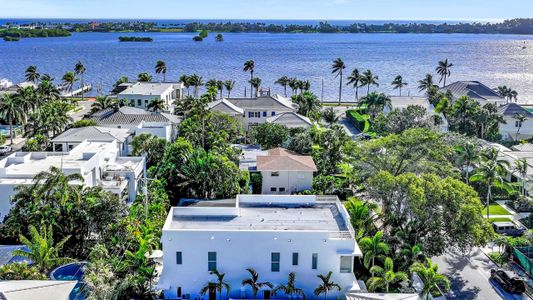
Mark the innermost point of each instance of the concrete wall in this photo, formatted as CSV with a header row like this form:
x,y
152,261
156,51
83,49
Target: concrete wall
x,y
294,181
508,131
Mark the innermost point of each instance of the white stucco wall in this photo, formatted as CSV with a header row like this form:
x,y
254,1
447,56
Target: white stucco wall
x,y
508,131
294,181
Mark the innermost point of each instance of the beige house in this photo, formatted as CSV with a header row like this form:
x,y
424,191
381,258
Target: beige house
x,y
285,172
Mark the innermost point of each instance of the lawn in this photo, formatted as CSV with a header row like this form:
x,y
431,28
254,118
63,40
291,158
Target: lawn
x,y
496,209
492,220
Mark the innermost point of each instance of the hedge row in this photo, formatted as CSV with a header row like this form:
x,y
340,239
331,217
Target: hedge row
x,y
359,119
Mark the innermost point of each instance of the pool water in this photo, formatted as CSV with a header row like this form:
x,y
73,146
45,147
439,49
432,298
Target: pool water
x,y
72,271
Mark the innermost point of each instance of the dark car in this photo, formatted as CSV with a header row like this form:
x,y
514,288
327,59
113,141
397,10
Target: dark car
x,y
508,228
508,281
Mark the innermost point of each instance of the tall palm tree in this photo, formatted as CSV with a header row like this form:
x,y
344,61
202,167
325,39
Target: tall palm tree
x,y
186,82
219,285
284,82
196,81
80,69
41,249
144,77
156,105
411,254
11,111
32,75
47,77
520,119
375,103
443,69
355,81
373,247
337,68
229,85
249,66
431,278
256,83
68,81
399,83
294,85
426,84
368,79
101,103
289,288
220,87
385,276
254,282
330,116
161,68
467,155
521,167
326,285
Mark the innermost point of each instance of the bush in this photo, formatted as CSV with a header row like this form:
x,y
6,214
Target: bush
x,y
360,120
84,123
256,179
197,38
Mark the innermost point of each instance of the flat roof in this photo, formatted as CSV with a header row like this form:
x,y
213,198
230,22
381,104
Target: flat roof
x,y
148,88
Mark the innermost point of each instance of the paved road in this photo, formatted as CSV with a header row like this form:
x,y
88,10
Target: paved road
x,y
469,275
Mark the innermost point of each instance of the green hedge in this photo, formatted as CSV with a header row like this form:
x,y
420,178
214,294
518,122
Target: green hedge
x,y
359,118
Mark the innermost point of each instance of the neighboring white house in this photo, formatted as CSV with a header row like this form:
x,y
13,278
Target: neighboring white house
x,y
5,83
140,94
273,234
33,289
285,172
99,163
291,120
75,136
163,125
514,129
254,111
402,102
475,90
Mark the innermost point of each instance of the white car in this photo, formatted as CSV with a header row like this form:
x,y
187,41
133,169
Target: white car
x,y
5,150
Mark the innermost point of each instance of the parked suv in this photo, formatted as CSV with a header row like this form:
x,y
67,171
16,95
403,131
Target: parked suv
x,y
5,150
508,228
508,281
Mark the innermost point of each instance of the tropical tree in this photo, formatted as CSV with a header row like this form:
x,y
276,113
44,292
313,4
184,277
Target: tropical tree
x,y
398,83
20,271
254,283
289,288
385,276
11,111
156,105
68,81
220,87
326,285
101,103
255,83
330,116
196,81
354,79
362,216
249,66
284,82
443,69
368,79
32,75
375,103
308,103
219,285
80,70
185,79
373,247
294,84
337,68
41,249
467,155
411,254
229,85
144,77
433,281
521,167
161,68
426,84
520,119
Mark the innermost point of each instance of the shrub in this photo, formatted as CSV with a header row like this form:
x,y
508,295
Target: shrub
x,y
84,123
359,119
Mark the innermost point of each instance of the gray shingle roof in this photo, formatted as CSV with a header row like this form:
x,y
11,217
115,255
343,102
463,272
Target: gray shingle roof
x,y
511,109
93,133
473,89
290,119
131,116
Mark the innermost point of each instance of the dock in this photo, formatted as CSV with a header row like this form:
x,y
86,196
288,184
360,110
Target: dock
x,y
84,89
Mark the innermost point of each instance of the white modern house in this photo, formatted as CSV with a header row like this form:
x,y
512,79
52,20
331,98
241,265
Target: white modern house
x,y
273,234
140,94
285,172
402,102
254,111
475,90
32,289
514,129
99,163
69,139
137,120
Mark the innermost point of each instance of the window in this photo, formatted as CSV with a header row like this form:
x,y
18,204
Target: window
x,y
257,114
211,261
295,258
274,174
178,258
145,103
273,189
264,114
314,261
282,189
518,124
275,257
346,264
138,102
132,102
273,113
250,114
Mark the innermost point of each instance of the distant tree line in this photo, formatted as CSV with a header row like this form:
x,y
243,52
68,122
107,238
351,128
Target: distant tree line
x,y
32,33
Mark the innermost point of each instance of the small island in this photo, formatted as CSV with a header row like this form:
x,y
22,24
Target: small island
x,y
11,39
134,39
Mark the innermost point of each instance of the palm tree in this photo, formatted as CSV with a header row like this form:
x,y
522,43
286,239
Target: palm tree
x,y
101,103
254,282
432,280
220,87
80,69
156,105
47,77
290,288
362,216
196,81
426,84
41,249
337,68
256,83
294,85
373,247
326,285
385,276
249,66
411,254
355,80
31,74
161,68
186,82
47,183
520,119
68,81
11,111
144,77
219,285
398,83
330,116
443,69
369,79
375,103
229,85
284,82
521,167
467,155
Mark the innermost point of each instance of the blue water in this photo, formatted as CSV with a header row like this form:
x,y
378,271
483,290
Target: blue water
x,y
73,271
492,59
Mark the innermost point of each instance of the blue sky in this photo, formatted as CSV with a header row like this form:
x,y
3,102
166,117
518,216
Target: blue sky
x,y
271,9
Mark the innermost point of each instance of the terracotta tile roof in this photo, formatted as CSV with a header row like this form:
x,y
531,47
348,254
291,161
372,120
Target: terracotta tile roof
x,y
279,159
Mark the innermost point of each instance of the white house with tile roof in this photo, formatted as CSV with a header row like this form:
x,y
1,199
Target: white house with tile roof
x,y
140,94
285,172
514,129
75,136
475,90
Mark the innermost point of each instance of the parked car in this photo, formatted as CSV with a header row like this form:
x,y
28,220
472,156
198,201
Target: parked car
x,y
508,228
5,150
508,281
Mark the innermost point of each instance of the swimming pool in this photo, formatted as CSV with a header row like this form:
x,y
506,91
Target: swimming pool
x,y
72,271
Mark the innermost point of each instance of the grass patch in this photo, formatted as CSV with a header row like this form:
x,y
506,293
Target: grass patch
x,y
496,209
492,220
